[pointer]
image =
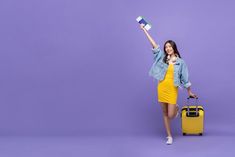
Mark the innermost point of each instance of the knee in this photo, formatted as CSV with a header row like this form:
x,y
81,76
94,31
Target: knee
x,y
171,115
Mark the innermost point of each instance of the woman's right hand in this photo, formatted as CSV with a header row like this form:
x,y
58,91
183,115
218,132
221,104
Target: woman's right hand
x,y
142,26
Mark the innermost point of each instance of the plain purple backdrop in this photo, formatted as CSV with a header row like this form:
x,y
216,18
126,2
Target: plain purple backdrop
x,y
71,67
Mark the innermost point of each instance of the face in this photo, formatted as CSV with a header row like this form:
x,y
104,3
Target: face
x,y
168,48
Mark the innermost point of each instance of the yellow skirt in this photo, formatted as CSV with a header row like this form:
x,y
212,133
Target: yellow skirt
x,y
167,91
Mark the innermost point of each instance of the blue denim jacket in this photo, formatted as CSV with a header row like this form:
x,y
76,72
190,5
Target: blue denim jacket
x,y
159,68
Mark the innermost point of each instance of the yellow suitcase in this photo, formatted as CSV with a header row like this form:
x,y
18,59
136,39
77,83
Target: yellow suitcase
x,y
192,118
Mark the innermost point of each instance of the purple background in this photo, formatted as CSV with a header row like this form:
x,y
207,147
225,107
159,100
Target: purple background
x,y
71,67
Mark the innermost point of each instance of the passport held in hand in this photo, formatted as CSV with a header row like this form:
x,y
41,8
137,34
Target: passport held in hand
x,y
141,20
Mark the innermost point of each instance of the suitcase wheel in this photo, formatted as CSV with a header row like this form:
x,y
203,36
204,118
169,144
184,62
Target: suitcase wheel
x,y
184,134
200,134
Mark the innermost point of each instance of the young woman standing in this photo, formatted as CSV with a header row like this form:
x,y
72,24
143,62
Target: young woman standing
x,y
171,71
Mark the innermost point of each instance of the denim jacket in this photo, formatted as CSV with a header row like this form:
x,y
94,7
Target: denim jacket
x,y
159,68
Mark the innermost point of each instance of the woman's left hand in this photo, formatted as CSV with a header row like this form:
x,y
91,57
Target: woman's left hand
x,y
192,95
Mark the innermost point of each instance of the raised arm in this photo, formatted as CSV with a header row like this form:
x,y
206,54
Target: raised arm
x,y
153,43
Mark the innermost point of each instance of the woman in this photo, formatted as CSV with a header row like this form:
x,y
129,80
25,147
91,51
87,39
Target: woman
x,y
171,71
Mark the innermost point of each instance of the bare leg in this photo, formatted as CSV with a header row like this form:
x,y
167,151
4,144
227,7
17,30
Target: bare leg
x,y
166,118
172,111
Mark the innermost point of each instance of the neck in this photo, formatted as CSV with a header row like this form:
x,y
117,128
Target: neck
x,y
173,55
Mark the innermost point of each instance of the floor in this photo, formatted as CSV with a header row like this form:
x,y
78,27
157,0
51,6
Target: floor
x,y
214,144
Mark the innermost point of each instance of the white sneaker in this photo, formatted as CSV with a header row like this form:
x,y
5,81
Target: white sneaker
x,y
177,111
169,140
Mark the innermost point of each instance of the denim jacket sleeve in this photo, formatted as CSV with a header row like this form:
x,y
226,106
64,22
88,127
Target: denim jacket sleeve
x,y
158,54
184,77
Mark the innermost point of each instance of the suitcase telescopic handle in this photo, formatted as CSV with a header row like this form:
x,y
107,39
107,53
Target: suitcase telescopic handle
x,y
196,100
191,97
